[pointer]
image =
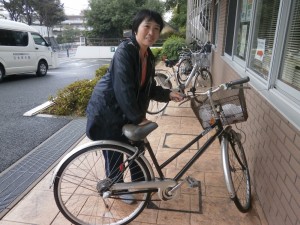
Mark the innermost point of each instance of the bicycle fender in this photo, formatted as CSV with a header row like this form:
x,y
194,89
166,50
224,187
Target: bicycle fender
x,y
95,143
226,170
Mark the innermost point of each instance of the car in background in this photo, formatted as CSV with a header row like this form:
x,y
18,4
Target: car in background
x,y
23,50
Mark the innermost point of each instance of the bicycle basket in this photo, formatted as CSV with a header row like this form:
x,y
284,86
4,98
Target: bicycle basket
x,y
230,104
202,59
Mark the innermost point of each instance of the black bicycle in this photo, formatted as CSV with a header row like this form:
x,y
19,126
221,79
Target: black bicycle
x,y
86,193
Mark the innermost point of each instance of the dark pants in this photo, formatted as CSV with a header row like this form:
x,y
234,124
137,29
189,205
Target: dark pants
x,y
114,167
113,160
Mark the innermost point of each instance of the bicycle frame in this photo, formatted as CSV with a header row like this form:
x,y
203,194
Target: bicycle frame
x,y
219,130
162,183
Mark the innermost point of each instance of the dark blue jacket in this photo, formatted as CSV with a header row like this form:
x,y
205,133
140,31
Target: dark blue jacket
x,y
118,97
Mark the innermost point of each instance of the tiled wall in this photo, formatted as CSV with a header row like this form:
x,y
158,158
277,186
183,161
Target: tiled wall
x,y
273,150
272,146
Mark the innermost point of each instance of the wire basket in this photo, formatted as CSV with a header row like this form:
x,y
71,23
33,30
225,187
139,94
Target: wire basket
x,y
202,59
230,103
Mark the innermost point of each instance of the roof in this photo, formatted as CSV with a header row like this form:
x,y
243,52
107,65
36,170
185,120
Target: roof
x,y
13,25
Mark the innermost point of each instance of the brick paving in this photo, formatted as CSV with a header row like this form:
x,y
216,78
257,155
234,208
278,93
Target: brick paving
x,y
208,205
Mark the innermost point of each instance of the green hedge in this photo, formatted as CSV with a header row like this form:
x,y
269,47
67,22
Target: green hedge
x,y
73,99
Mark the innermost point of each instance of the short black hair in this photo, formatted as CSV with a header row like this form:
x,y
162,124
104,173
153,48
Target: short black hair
x,y
148,14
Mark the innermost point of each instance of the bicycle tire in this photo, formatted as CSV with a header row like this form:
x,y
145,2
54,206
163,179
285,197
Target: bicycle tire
x,y
185,67
203,80
156,107
239,172
78,183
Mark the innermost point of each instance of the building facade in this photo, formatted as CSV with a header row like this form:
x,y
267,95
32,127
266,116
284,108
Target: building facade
x,y
261,39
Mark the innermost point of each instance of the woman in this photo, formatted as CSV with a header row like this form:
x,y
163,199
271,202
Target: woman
x,y
122,95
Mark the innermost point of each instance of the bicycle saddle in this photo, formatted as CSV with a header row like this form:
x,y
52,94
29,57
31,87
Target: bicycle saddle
x,y
138,132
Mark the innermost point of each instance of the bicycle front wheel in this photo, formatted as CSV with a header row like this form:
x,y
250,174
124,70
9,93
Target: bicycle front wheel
x,y
87,176
203,80
154,106
239,172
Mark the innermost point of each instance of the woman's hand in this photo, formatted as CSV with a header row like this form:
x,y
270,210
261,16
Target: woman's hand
x,y
176,96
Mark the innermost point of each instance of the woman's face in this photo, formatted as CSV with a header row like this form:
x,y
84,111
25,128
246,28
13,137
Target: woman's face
x,y
148,33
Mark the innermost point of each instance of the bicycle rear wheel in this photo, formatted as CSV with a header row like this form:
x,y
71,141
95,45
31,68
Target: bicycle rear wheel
x,y
203,80
154,106
82,180
185,67
239,172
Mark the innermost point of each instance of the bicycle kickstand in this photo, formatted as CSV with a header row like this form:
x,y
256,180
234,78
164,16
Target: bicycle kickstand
x,y
193,183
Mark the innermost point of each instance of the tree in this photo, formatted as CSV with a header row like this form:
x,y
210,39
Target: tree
x,y
68,34
179,14
14,8
47,12
109,18
179,8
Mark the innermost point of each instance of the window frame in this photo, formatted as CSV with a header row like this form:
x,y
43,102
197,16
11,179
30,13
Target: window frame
x,y
216,23
43,43
283,31
283,97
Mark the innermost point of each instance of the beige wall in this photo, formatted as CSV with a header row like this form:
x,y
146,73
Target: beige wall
x,y
272,145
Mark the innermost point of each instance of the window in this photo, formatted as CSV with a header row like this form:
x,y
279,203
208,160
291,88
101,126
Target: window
x,y
38,39
262,40
13,38
230,26
243,27
263,36
291,62
216,23
199,23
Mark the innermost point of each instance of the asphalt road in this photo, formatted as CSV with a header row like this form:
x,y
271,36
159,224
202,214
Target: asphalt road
x,y
21,93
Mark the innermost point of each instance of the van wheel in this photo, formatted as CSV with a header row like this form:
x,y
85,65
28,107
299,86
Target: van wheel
x,y
1,73
42,69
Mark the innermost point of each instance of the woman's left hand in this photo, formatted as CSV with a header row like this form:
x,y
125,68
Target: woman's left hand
x,y
176,96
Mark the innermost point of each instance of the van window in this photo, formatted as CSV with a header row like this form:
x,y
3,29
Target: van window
x,y
38,39
13,38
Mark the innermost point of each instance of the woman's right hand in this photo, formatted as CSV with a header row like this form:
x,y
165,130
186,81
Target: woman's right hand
x,y
176,96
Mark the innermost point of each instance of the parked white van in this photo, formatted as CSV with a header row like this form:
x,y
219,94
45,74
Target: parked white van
x,y
22,50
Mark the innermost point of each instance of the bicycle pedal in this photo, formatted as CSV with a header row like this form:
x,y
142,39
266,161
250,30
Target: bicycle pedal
x,y
193,183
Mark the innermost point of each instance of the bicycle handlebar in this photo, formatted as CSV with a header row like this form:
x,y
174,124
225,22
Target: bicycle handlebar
x,y
224,86
239,81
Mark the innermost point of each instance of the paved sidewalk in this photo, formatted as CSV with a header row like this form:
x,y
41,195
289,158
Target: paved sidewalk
x,y
208,206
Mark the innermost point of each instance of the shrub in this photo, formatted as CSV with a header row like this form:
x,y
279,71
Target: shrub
x,y
101,70
73,99
156,52
172,46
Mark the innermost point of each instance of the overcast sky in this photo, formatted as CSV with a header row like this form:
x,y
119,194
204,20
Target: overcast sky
x,y
74,7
